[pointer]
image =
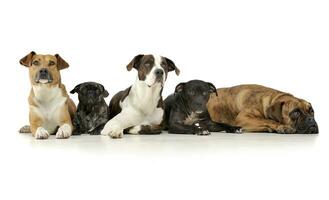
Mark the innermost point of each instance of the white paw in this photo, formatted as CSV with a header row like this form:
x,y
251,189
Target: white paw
x,y
41,133
113,130
135,130
64,132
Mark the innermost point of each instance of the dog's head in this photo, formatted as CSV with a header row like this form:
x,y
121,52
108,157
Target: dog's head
x,y
152,69
90,93
195,94
294,112
44,69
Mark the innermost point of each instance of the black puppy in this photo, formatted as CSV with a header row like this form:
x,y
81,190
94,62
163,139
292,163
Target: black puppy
x,y
92,113
186,110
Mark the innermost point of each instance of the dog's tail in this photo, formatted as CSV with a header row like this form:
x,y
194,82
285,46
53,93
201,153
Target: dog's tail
x,y
25,129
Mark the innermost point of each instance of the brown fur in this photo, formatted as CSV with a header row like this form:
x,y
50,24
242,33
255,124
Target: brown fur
x,y
54,64
255,108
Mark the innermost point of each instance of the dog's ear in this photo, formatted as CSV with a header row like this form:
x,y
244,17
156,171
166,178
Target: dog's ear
x,y
105,92
61,63
26,61
76,89
134,63
172,66
212,88
179,88
274,112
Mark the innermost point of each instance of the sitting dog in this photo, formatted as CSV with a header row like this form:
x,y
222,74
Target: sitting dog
x,y
93,112
261,109
51,108
186,110
139,108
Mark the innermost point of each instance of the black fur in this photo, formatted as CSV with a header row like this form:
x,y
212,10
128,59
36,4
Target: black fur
x,y
186,110
92,113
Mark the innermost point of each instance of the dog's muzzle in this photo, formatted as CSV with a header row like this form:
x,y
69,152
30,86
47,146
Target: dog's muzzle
x,y
307,126
43,76
159,73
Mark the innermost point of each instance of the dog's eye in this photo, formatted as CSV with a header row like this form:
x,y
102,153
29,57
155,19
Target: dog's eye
x,y
204,93
51,63
147,64
163,64
295,114
36,63
311,110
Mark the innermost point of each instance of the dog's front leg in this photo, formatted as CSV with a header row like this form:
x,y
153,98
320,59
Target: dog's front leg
x,y
128,117
36,123
218,127
65,125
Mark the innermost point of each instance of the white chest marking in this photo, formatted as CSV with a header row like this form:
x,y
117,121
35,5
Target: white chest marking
x,y
49,102
191,119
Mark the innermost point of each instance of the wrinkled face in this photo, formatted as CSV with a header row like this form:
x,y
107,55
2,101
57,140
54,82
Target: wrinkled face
x,y
44,69
196,94
300,115
90,93
152,69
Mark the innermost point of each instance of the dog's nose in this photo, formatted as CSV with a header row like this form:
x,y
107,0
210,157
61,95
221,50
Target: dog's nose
x,y
313,130
159,72
43,71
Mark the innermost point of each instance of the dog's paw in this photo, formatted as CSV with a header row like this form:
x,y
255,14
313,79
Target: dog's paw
x,y
283,129
41,133
112,130
234,129
200,130
203,132
25,129
64,132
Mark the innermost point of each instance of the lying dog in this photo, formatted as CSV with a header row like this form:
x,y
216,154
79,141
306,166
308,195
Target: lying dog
x,y
186,110
260,109
51,108
139,108
93,112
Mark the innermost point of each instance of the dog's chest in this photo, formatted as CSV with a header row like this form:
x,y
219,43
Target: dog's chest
x,y
191,119
49,101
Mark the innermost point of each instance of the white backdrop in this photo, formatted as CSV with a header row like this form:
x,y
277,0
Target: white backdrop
x,y
282,44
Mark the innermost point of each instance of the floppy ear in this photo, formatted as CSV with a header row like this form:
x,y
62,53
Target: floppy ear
x,y
61,63
105,92
212,88
76,89
274,112
172,66
179,87
26,61
134,63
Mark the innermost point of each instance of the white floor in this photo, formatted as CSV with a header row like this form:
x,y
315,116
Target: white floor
x,y
166,166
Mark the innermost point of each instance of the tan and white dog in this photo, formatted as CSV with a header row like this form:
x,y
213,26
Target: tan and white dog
x,y
51,109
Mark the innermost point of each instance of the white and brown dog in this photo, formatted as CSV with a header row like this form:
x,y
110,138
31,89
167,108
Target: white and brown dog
x,y
51,108
139,108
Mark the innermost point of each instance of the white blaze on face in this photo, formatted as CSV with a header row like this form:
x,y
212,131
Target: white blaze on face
x,y
151,77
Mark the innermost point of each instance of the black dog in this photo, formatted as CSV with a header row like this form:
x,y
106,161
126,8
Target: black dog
x,y
186,110
92,113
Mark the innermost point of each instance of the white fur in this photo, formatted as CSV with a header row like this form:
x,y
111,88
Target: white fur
x,y
64,131
139,107
150,78
49,101
41,133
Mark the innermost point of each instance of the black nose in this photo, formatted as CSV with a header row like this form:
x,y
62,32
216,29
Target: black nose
x,y
313,130
43,71
159,72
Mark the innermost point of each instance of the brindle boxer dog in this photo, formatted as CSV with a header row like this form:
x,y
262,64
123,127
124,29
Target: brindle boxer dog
x,y
260,109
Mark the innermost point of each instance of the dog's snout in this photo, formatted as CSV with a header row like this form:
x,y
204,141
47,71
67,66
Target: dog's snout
x,y
313,130
159,72
43,71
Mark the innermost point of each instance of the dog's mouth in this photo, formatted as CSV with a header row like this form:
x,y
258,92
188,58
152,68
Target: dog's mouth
x,y
43,77
199,111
